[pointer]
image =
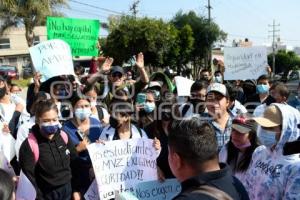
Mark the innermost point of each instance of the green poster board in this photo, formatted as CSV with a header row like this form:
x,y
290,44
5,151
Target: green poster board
x,y
80,34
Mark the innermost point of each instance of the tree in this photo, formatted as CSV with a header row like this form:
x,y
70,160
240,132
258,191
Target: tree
x,y
205,34
285,61
129,36
29,13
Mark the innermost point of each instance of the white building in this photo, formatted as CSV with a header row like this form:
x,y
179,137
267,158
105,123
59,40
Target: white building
x,y
13,45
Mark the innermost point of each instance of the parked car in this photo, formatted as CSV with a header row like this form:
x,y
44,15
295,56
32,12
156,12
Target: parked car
x,y
27,71
9,71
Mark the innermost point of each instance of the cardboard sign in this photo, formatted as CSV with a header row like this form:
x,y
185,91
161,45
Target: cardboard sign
x,y
80,34
153,190
52,58
243,63
121,164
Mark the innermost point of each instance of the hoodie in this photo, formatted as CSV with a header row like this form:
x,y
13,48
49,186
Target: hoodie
x,y
271,175
56,164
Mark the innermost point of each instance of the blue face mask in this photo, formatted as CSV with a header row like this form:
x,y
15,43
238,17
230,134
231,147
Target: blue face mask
x,y
267,138
149,107
49,129
262,89
82,113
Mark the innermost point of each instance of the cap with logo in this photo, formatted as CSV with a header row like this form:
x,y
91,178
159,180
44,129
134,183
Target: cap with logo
x,y
243,125
219,88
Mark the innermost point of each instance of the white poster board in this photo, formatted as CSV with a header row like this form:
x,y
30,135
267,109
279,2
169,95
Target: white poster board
x,y
243,63
183,86
121,164
52,58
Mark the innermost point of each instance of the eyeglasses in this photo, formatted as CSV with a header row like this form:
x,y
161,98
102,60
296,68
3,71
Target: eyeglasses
x,y
214,97
117,74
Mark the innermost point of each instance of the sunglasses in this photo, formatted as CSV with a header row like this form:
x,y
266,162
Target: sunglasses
x,y
117,74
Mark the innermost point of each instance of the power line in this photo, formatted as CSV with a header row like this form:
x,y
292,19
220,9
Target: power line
x,y
100,8
87,12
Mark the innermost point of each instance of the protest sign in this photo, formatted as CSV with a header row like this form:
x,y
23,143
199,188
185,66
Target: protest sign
x,y
52,58
25,190
121,164
80,34
153,190
183,86
243,63
7,145
92,192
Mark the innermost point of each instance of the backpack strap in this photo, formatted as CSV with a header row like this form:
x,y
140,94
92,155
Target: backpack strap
x,y
100,112
34,146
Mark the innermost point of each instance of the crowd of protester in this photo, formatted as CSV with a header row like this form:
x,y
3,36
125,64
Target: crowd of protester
x,y
227,140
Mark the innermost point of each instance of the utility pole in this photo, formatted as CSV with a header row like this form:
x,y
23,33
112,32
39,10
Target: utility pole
x,y
274,32
134,7
209,21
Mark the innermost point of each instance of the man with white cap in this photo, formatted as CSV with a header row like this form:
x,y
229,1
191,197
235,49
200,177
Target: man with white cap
x,y
271,174
217,102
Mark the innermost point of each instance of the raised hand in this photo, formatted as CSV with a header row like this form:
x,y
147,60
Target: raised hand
x,y
107,64
140,60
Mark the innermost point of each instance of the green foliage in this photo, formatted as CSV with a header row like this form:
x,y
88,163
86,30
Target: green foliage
x,y
284,61
30,13
204,33
186,38
129,36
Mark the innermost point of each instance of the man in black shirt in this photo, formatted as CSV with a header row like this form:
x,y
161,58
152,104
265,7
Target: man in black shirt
x,y
193,159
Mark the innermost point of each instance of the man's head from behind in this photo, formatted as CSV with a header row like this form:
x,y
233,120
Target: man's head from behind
x,y
192,147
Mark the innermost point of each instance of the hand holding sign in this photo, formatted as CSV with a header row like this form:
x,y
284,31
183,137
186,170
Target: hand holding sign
x,y
107,64
140,60
52,58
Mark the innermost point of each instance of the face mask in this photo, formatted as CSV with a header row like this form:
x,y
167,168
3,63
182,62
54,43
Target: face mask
x,y
113,122
267,138
243,146
180,99
149,107
82,113
218,79
262,89
129,77
49,129
156,94
2,92
198,104
93,103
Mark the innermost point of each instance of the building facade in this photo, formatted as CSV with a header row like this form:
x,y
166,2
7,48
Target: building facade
x,y
13,46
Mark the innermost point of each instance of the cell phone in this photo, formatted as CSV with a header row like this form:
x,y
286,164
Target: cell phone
x,y
141,98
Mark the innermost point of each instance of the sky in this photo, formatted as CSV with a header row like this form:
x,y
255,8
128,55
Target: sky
x,y
238,18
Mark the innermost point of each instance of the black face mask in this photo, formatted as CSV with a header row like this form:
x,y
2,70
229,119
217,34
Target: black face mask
x,y
113,122
198,108
2,92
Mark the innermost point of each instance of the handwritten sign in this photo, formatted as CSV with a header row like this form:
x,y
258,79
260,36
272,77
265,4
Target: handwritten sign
x,y
243,63
52,58
80,34
153,190
183,86
120,165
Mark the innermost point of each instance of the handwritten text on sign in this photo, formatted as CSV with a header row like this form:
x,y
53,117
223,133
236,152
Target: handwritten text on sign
x,y
52,58
122,164
243,63
80,34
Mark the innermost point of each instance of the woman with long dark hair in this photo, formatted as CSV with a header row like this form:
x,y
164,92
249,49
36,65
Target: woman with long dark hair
x,y
237,153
